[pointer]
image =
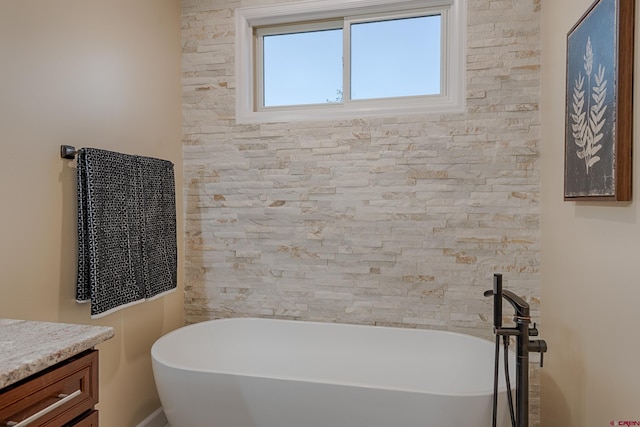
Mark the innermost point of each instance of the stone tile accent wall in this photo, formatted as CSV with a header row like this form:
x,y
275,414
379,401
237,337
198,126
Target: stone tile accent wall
x,y
390,221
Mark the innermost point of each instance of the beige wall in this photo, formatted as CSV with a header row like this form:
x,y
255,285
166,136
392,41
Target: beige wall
x,y
101,73
589,277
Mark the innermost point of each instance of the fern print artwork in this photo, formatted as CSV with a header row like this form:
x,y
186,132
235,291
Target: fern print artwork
x,y
588,123
590,102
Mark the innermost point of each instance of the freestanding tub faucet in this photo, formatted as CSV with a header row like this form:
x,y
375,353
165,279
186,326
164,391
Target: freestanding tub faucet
x,y
524,345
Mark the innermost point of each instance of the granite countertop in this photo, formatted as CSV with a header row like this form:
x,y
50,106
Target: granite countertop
x,y
28,347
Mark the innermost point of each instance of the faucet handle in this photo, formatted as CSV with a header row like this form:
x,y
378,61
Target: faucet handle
x,y
539,346
533,331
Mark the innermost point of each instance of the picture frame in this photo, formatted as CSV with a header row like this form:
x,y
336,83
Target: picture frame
x,y
599,104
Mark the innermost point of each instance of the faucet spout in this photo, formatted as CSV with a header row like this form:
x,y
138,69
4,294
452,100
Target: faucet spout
x,y
520,305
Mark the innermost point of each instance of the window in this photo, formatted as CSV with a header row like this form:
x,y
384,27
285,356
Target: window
x,y
333,60
298,65
396,57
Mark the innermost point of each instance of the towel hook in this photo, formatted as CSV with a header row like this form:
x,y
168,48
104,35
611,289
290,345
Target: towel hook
x,y
68,152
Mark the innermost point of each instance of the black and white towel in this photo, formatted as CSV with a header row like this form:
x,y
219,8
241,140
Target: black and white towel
x,y
127,250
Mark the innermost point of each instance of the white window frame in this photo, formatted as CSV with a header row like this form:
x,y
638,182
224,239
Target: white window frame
x,y
451,100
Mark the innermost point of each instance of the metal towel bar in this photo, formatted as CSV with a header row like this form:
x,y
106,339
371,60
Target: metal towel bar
x,y
68,152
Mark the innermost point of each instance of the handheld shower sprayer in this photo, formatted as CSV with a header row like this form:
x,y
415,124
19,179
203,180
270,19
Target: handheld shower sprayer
x,y
497,301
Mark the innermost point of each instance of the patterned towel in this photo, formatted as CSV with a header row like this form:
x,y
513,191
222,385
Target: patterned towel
x,y
127,249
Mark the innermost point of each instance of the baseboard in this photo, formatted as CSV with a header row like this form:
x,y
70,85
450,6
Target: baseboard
x,y
156,419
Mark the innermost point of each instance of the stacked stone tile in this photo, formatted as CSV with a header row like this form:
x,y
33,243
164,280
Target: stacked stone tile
x,y
391,221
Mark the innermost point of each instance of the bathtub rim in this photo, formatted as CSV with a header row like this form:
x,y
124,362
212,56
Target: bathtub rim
x,y
155,359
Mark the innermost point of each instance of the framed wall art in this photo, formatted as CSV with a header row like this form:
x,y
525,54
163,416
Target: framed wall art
x,y
599,103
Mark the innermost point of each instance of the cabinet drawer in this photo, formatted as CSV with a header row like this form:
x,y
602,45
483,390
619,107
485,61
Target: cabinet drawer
x,y
90,420
55,396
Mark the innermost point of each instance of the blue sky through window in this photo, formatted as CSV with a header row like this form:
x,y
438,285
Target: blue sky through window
x,y
302,68
399,57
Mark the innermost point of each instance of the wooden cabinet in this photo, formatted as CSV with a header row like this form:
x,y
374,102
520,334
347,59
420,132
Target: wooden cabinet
x,y
88,420
62,396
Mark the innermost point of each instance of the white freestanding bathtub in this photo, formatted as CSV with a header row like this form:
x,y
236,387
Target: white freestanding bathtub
x,y
280,373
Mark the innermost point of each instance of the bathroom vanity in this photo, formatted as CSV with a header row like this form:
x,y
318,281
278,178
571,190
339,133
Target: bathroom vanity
x,y
49,373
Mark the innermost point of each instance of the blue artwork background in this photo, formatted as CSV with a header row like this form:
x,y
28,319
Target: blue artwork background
x,y
599,26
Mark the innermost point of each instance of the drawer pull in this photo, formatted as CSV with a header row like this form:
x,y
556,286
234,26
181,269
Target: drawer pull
x,y
64,398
